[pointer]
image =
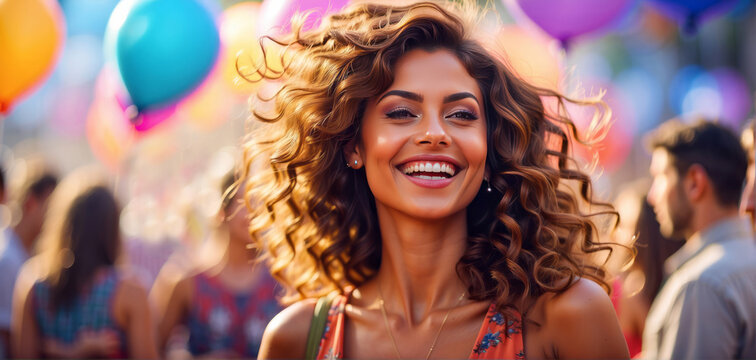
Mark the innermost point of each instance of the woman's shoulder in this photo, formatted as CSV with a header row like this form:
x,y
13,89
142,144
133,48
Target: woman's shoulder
x,y
581,322
286,334
582,298
130,289
31,275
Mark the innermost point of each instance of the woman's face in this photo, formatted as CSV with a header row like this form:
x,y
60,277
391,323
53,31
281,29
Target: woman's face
x,y
423,141
237,218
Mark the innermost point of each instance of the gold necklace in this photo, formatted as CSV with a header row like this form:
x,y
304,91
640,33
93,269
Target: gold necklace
x,y
391,335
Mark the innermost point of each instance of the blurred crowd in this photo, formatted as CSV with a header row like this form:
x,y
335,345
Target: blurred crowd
x,y
81,291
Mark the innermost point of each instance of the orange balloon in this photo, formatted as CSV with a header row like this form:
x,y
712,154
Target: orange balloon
x,y
534,58
31,36
109,133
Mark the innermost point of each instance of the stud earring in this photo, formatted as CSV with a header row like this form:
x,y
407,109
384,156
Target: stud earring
x,y
488,184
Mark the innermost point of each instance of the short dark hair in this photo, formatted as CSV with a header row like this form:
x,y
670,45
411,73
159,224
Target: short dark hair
x,y
712,146
43,185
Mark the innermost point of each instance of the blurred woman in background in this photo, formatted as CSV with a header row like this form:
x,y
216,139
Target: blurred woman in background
x,y
80,305
749,194
226,305
634,289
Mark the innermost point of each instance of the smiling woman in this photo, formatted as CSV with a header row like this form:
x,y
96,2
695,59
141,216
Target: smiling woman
x,y
408,171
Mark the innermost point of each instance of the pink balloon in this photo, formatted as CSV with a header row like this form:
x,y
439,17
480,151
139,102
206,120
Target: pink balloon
x,y
615,147
144,120
275,15
109,85
567,19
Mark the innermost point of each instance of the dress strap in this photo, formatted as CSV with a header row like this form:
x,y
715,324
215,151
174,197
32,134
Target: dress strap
x,y
332,342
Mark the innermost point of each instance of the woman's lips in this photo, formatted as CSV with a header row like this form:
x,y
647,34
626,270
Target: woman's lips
x,y
432,183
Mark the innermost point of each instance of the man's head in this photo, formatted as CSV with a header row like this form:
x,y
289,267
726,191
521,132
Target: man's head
x,y
32,196
696,169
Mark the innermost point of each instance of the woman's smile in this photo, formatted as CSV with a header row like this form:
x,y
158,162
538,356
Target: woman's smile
x,y
431,171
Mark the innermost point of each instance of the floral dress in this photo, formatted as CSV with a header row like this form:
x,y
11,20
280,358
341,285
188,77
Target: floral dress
x,y
224,321
497,338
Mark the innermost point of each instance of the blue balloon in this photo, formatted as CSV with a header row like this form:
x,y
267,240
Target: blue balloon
x,y
692,12
163,49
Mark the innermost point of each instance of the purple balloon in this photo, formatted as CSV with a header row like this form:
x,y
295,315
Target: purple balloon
x,y
567,19
736,96
275,15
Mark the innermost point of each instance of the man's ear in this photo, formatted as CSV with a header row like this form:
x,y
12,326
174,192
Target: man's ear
x,y
697,182
353,154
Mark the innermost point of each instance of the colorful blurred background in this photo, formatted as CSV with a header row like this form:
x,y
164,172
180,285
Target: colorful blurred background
x,y
85,91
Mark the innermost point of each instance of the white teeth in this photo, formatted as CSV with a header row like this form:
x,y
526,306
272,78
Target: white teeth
x,y
429,167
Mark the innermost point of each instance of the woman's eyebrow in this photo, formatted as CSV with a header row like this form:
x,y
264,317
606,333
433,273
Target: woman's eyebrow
x,y
405,94
460,96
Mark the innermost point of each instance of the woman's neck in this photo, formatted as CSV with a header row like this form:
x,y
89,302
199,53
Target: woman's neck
x,y
418,265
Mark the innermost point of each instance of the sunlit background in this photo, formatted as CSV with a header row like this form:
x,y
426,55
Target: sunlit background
x,y
654,60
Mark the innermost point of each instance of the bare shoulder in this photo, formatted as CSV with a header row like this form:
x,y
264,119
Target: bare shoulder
x,y
31,272
581,323
130,284
131,292
173,282
286,334
583,298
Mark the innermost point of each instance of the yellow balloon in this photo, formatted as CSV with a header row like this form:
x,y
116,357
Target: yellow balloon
x,y
210,105
31,36
242,53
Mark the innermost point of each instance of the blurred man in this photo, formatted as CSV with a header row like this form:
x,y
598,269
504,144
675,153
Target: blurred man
x,y
707,307
18,241
749,194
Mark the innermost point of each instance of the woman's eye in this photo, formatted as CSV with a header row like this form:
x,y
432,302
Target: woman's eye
x,y
399,114
462,114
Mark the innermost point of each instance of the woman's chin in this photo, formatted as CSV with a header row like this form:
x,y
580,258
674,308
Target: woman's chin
x,y
434,210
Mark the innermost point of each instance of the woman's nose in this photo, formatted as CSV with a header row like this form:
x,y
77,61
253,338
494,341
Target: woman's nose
x,y
433,133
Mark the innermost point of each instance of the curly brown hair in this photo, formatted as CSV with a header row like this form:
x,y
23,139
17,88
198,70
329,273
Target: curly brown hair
x,y
318,224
